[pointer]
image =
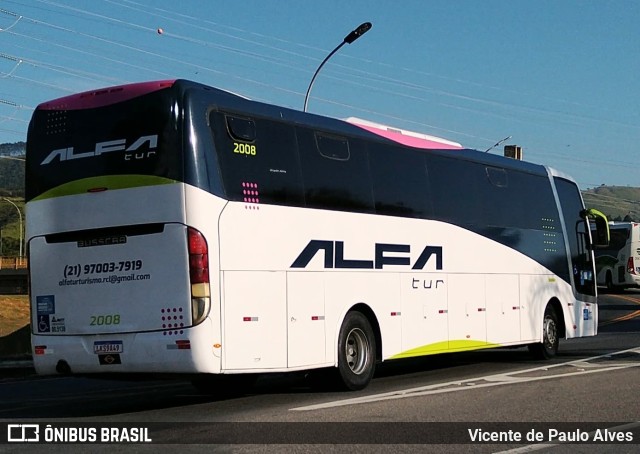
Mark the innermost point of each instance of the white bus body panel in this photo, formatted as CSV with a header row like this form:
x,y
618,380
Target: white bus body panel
x,y
267,316
486,294
255,324
73,316
306,320
111,289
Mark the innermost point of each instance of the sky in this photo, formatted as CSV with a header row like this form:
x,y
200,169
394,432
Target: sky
x,y
561,78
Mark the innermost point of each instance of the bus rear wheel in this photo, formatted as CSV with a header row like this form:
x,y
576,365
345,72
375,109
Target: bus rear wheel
x,y
356,352
548,348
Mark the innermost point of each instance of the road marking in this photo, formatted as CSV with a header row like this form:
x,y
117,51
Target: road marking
x,y
626,297
623,317
548,372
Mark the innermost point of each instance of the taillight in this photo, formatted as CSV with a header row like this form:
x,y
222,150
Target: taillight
x,y
631,269
198,275
198,257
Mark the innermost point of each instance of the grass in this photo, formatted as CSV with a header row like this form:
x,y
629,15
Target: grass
x,y
14,313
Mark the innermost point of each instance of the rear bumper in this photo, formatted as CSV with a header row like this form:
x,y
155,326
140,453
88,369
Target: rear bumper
x,y
188,352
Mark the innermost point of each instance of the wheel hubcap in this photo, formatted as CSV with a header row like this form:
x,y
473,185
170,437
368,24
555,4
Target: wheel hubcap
x,y
550,333
357,350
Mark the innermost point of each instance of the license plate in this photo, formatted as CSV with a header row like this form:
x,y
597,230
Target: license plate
x,y
102,347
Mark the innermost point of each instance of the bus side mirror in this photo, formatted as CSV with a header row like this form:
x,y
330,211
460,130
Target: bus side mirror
x,y
601,232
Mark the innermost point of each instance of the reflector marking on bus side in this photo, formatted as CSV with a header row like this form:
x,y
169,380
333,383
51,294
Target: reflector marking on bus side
x,y
250,195
43,350
180,345
172,321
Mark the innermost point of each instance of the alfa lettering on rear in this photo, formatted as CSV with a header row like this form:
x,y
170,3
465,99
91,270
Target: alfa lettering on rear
x,y
384,254
69,153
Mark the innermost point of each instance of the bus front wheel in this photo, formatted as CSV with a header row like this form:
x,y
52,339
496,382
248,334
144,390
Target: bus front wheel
x,y
548,348
356,352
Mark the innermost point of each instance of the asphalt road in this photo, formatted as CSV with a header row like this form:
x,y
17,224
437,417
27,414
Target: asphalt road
x,y
445,401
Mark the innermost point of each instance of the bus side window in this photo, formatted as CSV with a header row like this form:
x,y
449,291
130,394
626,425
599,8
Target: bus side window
x,y
456,191
400,186
241,128
258,159
332,147
335,172
498,177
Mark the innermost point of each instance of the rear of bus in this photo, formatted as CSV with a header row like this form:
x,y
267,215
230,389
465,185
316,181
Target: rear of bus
x,y
619,263
119,280
633,261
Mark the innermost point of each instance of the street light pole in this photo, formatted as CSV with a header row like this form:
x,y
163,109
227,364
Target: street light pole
x,y
20,216
351,37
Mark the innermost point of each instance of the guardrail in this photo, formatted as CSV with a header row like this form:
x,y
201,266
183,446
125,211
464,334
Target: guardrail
x,y
13,263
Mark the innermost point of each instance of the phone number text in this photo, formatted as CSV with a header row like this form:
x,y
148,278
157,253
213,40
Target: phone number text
x,y
78,270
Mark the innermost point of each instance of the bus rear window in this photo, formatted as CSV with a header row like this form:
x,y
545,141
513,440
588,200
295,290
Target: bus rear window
x,y
135,137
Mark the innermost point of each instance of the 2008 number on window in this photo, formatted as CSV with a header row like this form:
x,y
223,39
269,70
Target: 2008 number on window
x,y
244,148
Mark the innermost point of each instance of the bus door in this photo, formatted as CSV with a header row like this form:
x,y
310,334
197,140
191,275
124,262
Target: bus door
x,y
578,238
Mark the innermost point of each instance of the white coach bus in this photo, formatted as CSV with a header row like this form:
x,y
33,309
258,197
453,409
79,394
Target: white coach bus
x,y
618,264
178,228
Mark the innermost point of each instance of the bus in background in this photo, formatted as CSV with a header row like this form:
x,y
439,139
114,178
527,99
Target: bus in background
x,y
177,228
618,264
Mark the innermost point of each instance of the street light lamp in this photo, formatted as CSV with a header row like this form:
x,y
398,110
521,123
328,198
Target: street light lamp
x,y
20,216
351,37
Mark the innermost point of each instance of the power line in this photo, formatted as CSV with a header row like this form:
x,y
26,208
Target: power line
x,y
287,59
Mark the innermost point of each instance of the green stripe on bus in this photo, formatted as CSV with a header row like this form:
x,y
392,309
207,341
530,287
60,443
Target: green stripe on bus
x,y
104,183
446,346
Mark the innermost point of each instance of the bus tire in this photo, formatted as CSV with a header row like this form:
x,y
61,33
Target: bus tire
x,y
548,348
356,352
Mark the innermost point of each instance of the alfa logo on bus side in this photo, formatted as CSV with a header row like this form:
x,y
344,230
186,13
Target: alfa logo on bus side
x,y
334,256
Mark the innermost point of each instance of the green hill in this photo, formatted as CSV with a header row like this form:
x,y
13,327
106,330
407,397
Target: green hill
x,y
12,169
617,202
11,192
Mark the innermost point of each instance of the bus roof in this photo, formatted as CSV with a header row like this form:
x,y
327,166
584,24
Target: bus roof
x,y
104,96
353,126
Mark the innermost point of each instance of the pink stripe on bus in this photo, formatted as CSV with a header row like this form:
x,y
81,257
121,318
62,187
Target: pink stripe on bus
x,y
409,140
